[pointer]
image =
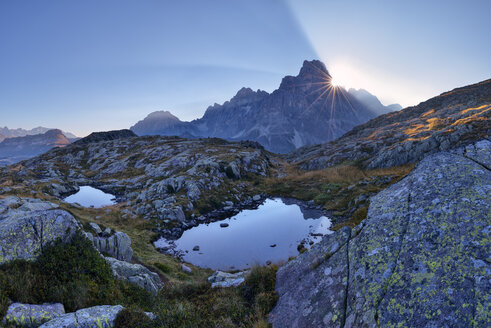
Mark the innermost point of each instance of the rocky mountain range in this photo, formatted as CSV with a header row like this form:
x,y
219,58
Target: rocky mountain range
x,y
408,193
15,149
306,109
5,132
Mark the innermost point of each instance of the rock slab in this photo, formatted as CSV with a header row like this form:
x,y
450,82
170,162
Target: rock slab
x,y
95,317
420,259
32,315
27,224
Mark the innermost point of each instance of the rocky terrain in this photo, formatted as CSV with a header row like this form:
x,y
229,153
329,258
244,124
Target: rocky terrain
x,y
419,259
16,149
452,119
282,121
169,180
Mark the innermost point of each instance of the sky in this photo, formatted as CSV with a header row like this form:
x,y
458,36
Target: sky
x,y
96,65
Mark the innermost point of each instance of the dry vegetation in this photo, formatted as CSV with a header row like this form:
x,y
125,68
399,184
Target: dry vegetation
x,y
343,189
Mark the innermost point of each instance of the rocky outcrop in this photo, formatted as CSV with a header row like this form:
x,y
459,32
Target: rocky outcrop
x,y
102,316
106,136
27,225
451,120
420,258
306,109
162,178
117,245
136,274
31,315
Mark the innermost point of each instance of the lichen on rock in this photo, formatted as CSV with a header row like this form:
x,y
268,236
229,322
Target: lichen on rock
x,y
421,258
27,225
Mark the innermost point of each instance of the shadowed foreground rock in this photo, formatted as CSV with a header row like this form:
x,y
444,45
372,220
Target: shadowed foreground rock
x,y
420,259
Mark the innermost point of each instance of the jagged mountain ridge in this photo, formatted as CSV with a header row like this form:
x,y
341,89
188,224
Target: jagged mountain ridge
x,y
306,109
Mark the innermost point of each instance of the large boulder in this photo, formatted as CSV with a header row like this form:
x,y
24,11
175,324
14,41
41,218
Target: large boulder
x,y
102,316
117,245
420,259
31,315
136,274
26,225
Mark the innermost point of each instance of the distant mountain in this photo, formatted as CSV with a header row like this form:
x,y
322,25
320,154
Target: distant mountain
x,y
372,102
161,123
5,132
16,149
306,109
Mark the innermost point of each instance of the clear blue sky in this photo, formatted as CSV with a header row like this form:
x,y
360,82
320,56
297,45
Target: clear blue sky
x,y
97,65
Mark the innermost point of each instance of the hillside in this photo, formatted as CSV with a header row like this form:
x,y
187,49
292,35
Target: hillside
x,y
449,120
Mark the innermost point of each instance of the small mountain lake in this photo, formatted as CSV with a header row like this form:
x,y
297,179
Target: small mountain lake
x,y
89,196
272,232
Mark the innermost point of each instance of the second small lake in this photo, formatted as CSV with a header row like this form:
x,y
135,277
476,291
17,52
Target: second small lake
x,y
270,233
91,197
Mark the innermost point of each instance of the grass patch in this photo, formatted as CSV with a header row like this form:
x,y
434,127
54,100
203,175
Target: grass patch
x,y
196,304
142,236
359,215
344,189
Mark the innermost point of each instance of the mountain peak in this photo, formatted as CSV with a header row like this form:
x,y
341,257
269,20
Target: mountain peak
x,y
312,73
244,92
311,67
162,114
54,132
156,122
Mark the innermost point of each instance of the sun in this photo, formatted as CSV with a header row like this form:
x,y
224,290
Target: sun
x,y
335,82
343,75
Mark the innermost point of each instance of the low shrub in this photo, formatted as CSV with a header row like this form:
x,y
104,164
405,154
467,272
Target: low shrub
x,y
130,318
260,280
73,274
